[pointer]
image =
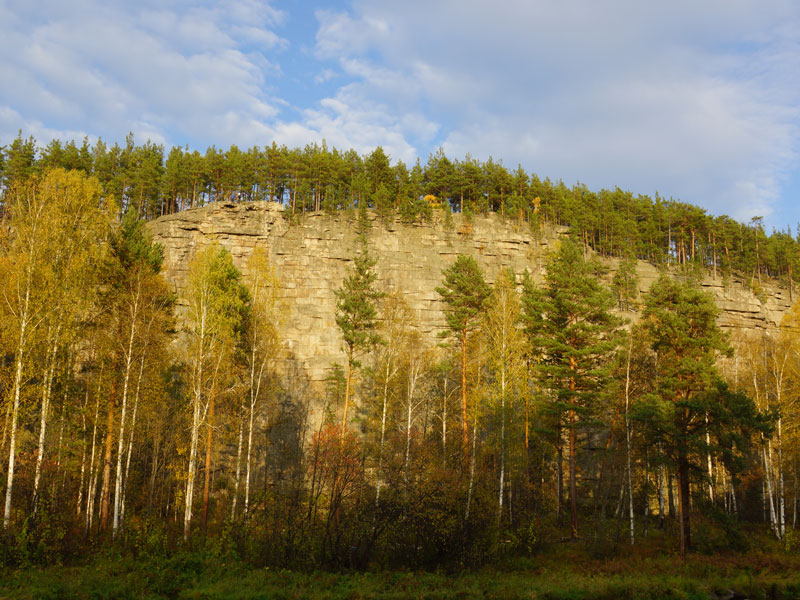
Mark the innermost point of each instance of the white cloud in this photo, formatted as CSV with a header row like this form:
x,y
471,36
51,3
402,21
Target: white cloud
x,y
697,100
169,71
324,75
347,122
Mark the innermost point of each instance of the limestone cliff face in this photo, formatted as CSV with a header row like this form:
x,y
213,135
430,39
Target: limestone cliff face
x,y
314,254
741,309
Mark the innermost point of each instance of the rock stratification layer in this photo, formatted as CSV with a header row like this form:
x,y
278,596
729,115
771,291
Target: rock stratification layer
x,y
312,254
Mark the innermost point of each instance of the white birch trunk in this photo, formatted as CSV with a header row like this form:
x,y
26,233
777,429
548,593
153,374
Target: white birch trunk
x,y
130,443
255,393
628,441
123,410
196,400
379,478
779,367
768,477
709,467
83,456
238,461
6,423
45,409
248,461
781,496
471,472
92,482
414,369
444,424
501,483
15,407
56,487
661,479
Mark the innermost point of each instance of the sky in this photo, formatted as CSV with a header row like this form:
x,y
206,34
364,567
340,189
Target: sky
x,y
698,101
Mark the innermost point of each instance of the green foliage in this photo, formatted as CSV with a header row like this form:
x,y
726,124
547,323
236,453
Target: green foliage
x,y
19,160
693,413
384,206
356,311
145,537
570,326
413,209
680,321
131,245
150,182
448,217
334,392
464,292
720,532
219,299
39,540
314,488
560,576
625,285
363,224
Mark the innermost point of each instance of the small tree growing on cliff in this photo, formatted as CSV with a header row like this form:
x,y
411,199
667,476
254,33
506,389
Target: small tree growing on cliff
x,y
356,316
625,284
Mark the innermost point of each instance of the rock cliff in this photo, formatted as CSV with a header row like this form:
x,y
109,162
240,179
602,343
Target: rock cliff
x,y
313,254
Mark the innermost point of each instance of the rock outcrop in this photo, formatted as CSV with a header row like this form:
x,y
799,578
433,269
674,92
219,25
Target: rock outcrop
x,y
741,309
313,254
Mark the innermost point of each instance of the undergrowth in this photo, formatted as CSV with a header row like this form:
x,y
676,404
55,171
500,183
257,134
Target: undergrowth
x,y
559,572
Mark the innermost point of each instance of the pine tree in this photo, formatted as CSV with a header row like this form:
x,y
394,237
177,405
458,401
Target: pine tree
x,y
576,335
680,321
356,316
363,223
625,284
384,206
464,292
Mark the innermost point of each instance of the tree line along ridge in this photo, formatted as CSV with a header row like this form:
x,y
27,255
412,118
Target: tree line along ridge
x,y
613,223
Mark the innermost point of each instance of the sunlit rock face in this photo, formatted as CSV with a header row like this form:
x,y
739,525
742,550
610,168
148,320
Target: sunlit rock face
x,y
313,253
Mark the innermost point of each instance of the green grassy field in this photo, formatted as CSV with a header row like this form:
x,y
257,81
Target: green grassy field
x,y
564,573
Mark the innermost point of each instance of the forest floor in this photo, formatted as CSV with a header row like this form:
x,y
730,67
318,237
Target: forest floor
x,y
564,573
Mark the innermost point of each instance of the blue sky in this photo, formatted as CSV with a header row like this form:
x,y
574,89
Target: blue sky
x,y
696,100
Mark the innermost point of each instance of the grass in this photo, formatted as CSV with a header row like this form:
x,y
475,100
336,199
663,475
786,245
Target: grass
x,y
564,572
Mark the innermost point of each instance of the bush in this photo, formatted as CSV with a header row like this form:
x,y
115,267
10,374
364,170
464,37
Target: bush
x,y
39,540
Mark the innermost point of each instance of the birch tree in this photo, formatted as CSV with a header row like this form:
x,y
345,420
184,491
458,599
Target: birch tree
x,y
76,241
135,297
216,302
261,339
505,353
415,359
394,327
43,212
